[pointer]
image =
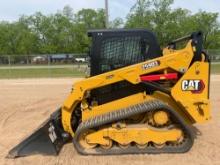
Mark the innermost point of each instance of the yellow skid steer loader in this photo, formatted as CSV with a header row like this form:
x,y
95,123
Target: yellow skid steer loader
x,y
138,98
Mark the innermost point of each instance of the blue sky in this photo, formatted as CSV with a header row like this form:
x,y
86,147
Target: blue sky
x,y
10,10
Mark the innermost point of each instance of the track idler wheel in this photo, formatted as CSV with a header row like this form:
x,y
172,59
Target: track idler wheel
x,y
107,146
84,142
160,118
124,146
142,146
159,146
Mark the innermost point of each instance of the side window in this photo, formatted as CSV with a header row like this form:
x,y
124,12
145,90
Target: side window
x,y
121,51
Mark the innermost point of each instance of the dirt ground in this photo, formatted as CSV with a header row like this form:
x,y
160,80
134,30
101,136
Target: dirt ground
x,y
26,103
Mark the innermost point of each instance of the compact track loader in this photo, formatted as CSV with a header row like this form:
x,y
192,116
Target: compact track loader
x,y
138,98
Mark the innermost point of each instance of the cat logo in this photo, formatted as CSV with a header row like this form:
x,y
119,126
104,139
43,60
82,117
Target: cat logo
x,y
195,86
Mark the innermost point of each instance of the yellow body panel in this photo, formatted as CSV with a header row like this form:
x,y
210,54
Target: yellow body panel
x,y
172,103
196,104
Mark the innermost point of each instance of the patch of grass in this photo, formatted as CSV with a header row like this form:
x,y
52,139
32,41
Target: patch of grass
x,y
215,68
40,73
58,72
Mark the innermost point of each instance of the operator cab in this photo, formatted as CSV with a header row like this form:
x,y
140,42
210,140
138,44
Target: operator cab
x,y
116,48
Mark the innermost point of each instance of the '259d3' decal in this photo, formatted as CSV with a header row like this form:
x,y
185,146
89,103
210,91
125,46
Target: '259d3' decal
x,y
195,86
151,64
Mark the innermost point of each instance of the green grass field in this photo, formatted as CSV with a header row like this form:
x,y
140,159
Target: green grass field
x,y
40,73
215,68
58,72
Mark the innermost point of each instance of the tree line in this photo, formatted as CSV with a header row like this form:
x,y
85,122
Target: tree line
x,y
65,31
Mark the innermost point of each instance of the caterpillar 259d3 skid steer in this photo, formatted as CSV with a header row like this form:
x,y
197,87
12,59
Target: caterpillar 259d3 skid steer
x,y
138,98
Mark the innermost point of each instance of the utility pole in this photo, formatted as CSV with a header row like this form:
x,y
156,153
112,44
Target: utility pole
x,y
106,14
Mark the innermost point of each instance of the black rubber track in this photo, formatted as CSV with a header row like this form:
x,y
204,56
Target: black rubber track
x,y
118,115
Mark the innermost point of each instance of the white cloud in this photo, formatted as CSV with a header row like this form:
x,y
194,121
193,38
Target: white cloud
x,y
12,9
196,5
120,8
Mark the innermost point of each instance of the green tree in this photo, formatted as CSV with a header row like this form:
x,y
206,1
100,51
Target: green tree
x,y
116,23
87,19
168,23
17,38
140,15
65,31
90,18
207,22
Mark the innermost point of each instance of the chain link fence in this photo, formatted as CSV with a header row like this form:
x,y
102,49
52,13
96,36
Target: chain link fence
x,y
58,65
214,55
56,59
54,65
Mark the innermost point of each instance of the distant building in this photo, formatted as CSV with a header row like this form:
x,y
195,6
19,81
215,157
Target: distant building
x,y
59,58
62,58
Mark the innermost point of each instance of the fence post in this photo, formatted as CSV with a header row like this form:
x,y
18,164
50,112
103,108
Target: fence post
x,y
9,61
48,66
9,64
27,60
